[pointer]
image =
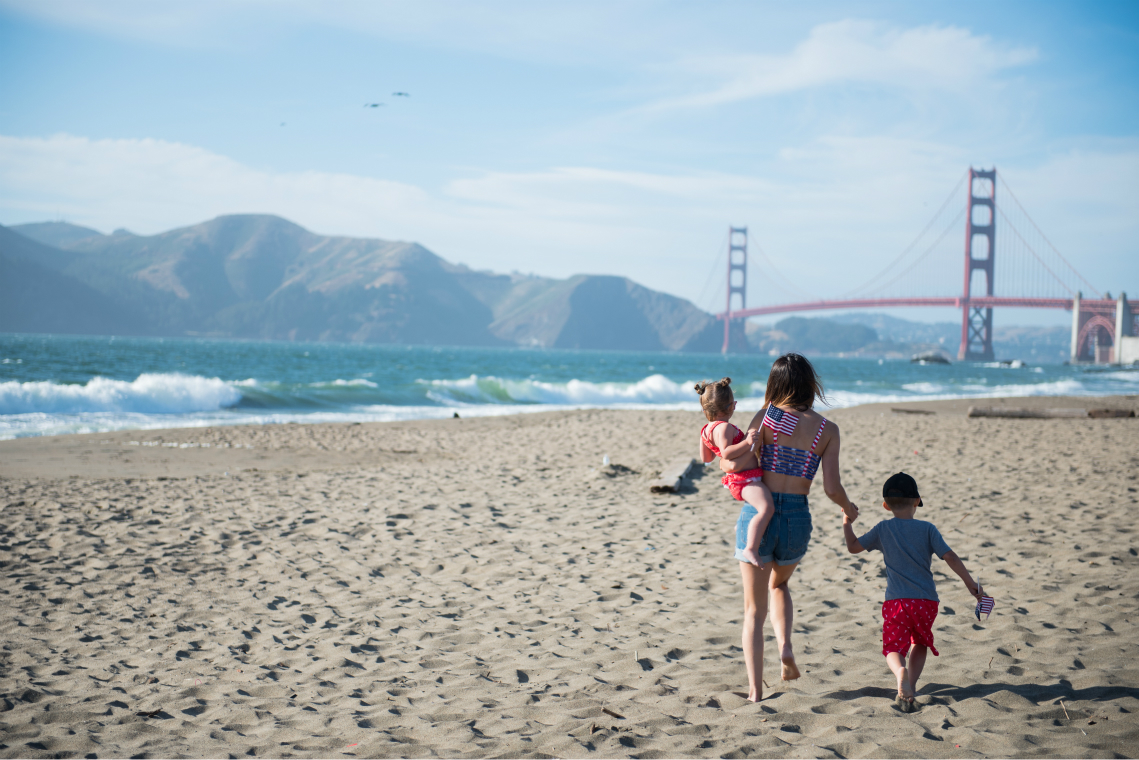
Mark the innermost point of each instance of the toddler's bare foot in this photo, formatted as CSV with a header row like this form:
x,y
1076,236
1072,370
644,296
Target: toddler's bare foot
x,y
751,557
790,669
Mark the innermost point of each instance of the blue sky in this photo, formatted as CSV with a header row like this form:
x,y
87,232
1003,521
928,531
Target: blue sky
x,y
614,137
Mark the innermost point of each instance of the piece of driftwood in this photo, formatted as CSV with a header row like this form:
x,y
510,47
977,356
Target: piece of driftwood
x,y
1021,413
1109,413
673,475
898,410
997,411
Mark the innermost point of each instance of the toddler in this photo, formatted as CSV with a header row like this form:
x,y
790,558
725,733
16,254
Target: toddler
x,y
720,438
911,596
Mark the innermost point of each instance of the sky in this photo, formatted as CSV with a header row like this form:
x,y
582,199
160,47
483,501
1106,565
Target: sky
x,y
622,138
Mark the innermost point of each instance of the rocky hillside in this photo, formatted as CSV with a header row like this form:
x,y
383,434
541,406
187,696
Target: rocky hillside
x,y
257,276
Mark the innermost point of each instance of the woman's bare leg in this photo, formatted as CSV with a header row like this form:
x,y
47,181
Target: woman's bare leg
x,y
783,618
755,582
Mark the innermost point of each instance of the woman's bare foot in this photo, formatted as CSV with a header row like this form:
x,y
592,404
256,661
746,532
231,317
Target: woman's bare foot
x,y
790,669
751,557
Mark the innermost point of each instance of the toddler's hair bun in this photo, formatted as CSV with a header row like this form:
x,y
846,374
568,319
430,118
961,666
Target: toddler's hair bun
x,y
725,382
700,387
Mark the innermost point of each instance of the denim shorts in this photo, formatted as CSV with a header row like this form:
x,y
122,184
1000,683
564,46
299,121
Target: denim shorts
x,y
788,533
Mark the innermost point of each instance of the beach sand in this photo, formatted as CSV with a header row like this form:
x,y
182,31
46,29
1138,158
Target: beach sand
x,y
485,587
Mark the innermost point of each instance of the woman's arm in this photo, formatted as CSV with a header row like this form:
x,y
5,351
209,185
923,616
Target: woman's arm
x,y
832,480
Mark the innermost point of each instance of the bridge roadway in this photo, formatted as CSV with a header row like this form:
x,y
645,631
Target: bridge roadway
x,y
1104,306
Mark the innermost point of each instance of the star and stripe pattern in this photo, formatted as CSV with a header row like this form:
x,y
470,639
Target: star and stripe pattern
x,y
780,421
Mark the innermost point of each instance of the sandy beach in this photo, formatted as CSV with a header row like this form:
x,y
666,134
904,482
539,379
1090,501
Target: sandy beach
x,y
486,587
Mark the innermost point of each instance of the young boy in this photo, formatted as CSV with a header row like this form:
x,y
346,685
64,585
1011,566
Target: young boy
x,y
911,596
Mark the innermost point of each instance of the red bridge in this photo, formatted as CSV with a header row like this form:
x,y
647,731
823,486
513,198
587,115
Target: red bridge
x,y
1034,275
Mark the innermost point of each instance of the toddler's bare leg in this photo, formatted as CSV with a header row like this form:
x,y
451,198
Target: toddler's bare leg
x,y
917,663
759,497
905,698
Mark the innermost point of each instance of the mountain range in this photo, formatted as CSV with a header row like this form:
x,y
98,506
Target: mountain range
x,y
261,276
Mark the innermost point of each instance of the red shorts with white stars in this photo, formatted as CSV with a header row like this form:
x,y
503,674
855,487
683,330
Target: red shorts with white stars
x,y
905,621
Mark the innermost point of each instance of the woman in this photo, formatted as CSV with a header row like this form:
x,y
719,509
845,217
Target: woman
x,y
794,439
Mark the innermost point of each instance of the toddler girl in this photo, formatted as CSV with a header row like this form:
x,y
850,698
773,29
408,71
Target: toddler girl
x,y
723,439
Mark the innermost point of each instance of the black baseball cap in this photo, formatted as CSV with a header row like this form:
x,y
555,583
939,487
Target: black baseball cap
x,y
901,484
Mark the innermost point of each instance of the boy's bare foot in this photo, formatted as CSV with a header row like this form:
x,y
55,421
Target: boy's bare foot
x,y
790,669
750,557
905,698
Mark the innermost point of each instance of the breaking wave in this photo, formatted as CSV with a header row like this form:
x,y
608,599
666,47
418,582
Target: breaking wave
x,y
147,394
655,390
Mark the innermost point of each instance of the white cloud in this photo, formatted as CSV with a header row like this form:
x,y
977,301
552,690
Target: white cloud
x,y
154,185
942,58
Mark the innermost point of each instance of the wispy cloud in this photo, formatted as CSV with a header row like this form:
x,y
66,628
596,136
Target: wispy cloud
x,y
938,58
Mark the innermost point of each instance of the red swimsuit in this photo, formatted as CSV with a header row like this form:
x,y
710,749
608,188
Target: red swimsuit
x,y
733,481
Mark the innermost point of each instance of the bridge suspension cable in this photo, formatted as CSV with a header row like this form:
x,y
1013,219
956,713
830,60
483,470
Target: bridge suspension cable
x,y
1091,288
866,286
717,270
952,226
786,282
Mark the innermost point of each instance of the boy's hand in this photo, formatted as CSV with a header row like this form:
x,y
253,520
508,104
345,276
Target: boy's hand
x,y
850,513
975,589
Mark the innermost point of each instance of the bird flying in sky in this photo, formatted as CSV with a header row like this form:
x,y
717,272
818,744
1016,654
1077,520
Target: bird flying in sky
x,y
372,105
401,94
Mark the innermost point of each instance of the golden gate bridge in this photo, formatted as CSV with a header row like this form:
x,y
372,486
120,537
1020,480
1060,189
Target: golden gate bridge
x,y
1030,272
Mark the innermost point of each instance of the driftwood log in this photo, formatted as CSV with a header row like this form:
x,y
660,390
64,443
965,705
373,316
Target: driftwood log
x,y
672,476
1020,413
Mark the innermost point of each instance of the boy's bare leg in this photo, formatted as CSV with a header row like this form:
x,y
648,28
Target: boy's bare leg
x,y
905,698
759,497
916,664
755,582
783,618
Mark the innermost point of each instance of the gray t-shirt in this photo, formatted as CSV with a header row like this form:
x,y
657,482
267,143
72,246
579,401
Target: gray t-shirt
x,y
906,547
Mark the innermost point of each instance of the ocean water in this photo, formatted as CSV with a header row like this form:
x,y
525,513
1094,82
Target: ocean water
x,y
51,385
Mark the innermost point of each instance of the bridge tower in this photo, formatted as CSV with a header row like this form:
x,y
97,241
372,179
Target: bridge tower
x,y
737,262
981,222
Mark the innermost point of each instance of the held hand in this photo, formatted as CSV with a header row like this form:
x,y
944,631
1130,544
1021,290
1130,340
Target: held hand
x,y
850,512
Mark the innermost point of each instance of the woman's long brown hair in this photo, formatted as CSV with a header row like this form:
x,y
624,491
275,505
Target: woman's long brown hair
x,y
793,382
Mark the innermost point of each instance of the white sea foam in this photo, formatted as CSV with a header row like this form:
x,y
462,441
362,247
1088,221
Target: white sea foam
x,y
654,390
147,394
357,383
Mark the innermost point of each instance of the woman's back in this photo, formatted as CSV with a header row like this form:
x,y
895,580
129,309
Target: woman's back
x,y
790,460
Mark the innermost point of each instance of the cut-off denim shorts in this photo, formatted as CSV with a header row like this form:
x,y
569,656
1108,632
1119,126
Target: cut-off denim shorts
x,y
788,533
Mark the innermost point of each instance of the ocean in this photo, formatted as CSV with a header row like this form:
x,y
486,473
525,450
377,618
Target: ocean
x,y
52,385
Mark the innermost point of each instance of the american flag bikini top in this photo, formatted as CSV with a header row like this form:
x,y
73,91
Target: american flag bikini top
x,y
785,460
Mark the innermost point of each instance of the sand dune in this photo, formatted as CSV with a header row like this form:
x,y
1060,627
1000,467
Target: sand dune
x,y
487,588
